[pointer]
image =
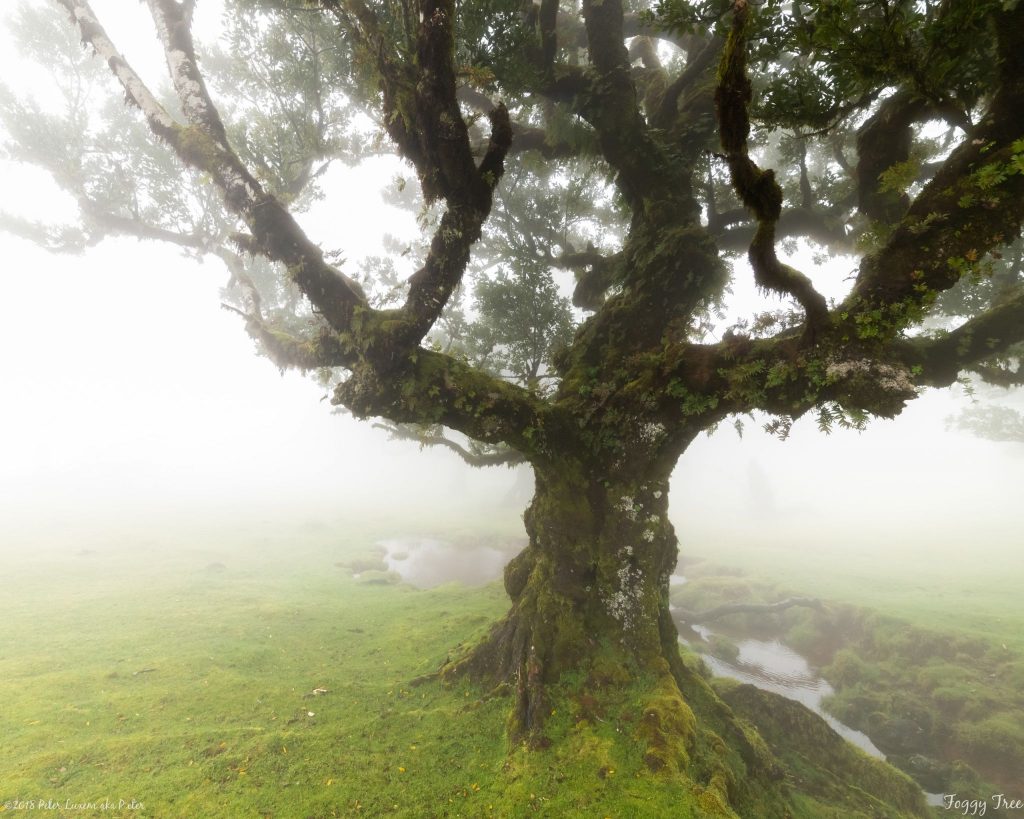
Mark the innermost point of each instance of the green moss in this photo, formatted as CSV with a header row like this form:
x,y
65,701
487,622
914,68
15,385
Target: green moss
x,y
378,578
827,766
198,147
667,728
723,648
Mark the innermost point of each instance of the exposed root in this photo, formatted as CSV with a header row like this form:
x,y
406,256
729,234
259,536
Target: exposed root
x,y
747,608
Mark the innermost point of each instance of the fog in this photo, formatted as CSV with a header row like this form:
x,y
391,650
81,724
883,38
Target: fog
x,y
130,392
130,395
207,563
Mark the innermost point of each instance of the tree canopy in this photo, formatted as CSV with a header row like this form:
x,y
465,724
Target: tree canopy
x,y
884,130
589,178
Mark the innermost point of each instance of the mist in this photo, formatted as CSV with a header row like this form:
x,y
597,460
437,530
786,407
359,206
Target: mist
x,y
132,396
193,535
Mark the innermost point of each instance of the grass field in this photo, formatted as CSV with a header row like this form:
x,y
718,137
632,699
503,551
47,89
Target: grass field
x,y
177,676
173,674
183,679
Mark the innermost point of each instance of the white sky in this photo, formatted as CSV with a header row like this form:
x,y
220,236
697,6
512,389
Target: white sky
x,y
126,387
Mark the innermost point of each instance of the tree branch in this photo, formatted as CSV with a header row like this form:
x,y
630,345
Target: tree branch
x,y
810,224
525,138
431,286
473,402
114,224
160,121
290,352
757,188
528,138
976,341
882,142
496,457
633,25
201,146
610,104
54,238
973,204
696,66
434,388
423,117
595,273
1000,375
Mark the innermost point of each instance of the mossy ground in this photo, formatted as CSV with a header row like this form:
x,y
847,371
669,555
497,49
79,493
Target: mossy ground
x,y
945,704
181,674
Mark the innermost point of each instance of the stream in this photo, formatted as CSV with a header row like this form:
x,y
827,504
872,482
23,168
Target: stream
x,y
773,666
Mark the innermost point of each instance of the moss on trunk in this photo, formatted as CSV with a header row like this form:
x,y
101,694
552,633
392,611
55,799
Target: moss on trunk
x,y
589,642
590,620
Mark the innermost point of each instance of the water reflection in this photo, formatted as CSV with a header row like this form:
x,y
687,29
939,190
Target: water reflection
x,y
425,563
773,666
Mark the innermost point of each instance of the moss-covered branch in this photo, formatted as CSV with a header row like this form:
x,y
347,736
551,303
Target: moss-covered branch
x,y
430,388
882,142
675,98
757,188
610,103
972,205
940,360
595,274
289,352
422,116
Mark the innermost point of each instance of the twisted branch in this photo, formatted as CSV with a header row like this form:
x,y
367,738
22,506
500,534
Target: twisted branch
x,y
757,188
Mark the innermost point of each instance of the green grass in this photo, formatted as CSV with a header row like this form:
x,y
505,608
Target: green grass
x,y
221,725
972,587
141,674
178,671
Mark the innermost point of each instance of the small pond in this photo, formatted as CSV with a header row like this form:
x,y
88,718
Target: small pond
x,y
425,562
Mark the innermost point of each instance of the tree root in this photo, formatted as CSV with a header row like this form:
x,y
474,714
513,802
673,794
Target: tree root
x,y
746,608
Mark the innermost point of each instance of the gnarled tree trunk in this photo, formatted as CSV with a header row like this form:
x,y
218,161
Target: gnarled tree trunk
x,y
590,604
593,580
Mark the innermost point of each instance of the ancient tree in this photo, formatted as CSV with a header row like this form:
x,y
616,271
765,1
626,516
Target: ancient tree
x,y
642,153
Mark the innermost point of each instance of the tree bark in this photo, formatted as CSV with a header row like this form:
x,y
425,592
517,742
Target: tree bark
x,y
590,618
593,581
